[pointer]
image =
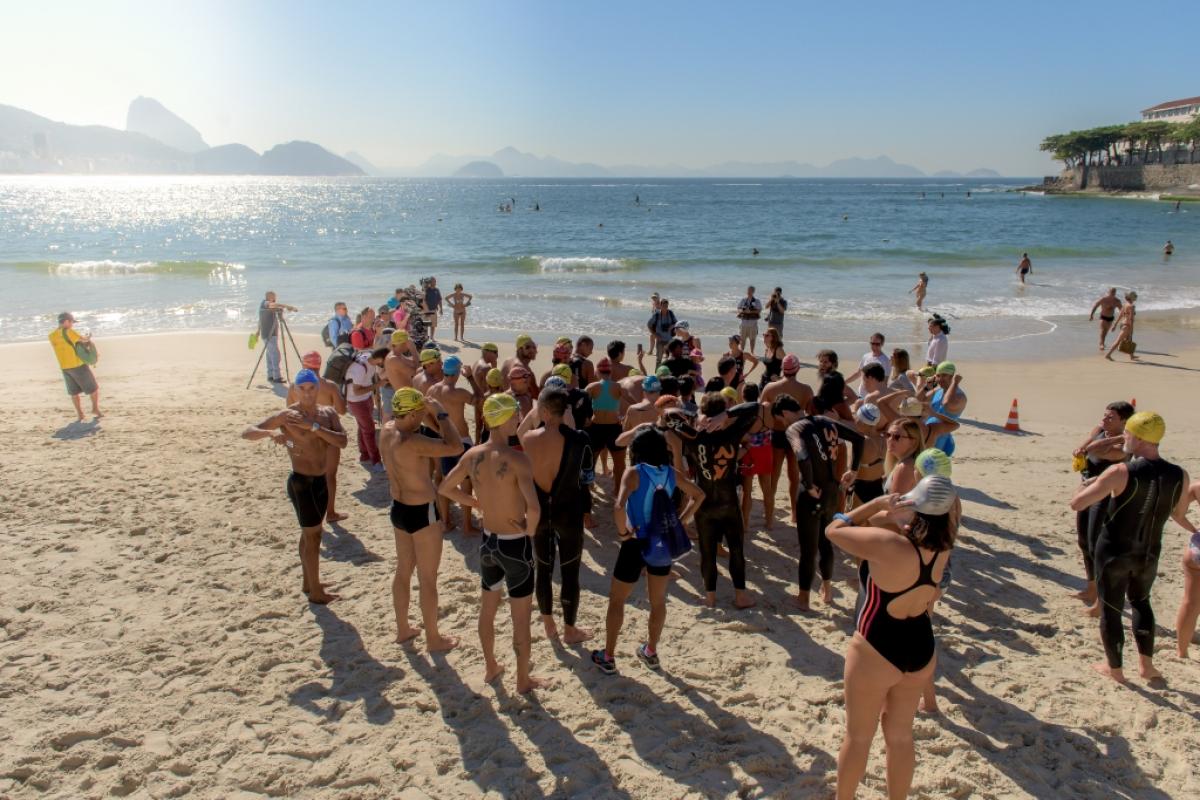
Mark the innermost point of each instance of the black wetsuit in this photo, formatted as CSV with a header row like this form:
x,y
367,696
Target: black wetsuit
x,y
560,527
820,439
714,457
1087,520
1128,543
772,369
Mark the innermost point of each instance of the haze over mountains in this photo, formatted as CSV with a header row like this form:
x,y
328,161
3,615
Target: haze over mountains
x,y
155,141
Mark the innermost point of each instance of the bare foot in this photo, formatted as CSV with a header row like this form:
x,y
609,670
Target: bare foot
x,y
928,704
1116,674
408,634
334,516
534,682
96,413
1094,609
1108,356
588,521
80,418
1086,596
493,672
801,602
321,597
710,600
576,635
441,644
1151,673
551,628
743,600
827,592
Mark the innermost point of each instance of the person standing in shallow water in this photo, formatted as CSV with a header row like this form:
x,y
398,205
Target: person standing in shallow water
x,y
1024,268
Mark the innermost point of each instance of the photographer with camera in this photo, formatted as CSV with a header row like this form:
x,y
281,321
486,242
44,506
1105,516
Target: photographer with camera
x,y
268,331
776,307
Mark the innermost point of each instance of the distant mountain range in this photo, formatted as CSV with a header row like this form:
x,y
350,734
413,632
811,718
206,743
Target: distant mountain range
x,y
155,142
511,162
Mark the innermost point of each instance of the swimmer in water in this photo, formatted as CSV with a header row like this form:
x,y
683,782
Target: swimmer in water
x,y
754,251
1168,249
920,288
1025,267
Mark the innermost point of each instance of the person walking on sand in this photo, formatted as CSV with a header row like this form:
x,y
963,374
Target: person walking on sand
x,y
920,289
561,458
1189,606
308,431
328,394
1024,268
651,470
749,309
892,653
1108,306
506,496
1139,496
268,331
77,374
458,302
1124,328
408,454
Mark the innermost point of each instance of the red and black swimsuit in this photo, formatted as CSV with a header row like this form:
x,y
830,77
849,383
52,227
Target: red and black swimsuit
x,y
907,644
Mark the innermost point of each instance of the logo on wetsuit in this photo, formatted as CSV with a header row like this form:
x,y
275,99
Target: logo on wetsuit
x,y
721,458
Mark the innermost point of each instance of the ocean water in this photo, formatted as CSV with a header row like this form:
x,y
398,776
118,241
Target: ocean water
x,y
141,254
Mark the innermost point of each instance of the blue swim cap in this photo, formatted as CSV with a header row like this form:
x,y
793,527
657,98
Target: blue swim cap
x,y
452,365
306,376
554,382
651,383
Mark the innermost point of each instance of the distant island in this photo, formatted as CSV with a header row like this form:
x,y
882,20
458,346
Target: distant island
x,y
155,141
478,169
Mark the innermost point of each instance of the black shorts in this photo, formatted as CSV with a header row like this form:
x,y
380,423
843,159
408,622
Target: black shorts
x,y
604,437
779,440
448,463
310,497
508,563
79,380
630,563
412,519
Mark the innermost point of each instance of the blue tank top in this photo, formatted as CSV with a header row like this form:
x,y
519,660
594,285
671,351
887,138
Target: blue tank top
x,y
945,442
605,401
640,503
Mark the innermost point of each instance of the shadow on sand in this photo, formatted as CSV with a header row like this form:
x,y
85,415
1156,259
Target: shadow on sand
x,y
77,430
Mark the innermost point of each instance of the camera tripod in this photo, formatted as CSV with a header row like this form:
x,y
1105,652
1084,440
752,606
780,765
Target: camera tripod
x,y
280,325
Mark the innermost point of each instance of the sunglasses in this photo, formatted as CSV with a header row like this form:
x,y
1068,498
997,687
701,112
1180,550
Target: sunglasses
x,y
876,344
895,437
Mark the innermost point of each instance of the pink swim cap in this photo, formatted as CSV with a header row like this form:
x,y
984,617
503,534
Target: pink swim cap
x,y
791,365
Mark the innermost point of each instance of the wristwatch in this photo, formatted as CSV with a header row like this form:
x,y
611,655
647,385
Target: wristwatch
x,y
316,426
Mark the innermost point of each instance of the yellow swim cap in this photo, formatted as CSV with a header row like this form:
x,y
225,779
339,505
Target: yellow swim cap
x,y
927,371
399,337
407,401
430,355
495,378
523,340
635,373
489,347
562,370
499,409
730,394
563,340
1147,426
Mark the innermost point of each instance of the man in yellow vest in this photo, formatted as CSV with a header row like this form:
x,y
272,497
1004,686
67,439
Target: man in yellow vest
x,y
77,375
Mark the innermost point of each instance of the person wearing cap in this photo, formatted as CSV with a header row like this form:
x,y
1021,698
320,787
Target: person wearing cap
x,y
662,326
408,452
644,410
489,359
431,372
361,379
749,309
892,653
868,484
400,366
938,348
563,473
526,354
269,311
873,356
77,374
946,400
817,440
328,394
1139,496
608,400
711,448
454,399
503,489
802,393
521,387
560,356
307,430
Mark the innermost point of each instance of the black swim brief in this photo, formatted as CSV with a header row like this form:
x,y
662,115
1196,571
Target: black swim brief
x,y
507,562
1107,319
413,519
779,440
604,436
310,497
630,563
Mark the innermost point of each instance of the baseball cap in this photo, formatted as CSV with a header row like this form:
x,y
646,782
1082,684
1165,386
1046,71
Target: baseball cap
x,y
64,316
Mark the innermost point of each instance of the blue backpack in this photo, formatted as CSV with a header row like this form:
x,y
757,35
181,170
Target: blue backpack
x,y
662,535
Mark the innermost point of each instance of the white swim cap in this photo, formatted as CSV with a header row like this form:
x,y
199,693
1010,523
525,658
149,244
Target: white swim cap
x,y
932,496
867,414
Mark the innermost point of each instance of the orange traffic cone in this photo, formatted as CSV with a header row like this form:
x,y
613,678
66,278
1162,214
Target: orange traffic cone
x,y
1013,424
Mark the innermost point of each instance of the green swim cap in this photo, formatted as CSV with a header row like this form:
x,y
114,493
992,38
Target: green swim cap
x,y
933,462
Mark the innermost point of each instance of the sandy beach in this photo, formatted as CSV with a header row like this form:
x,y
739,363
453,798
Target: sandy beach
x,y
154,642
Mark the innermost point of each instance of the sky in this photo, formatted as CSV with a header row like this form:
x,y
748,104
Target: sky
x,y
939,85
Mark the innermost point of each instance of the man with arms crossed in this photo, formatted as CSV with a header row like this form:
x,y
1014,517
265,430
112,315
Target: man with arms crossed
x,y
749,309
407,452
308,431
502,479
328,394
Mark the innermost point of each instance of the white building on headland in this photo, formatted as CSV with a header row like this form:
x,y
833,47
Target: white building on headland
x,y
1173,111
